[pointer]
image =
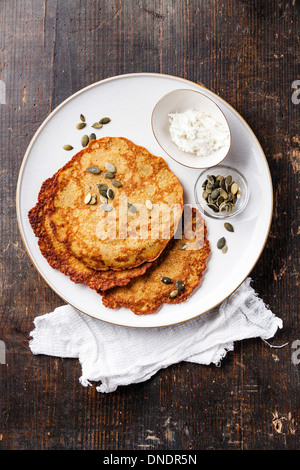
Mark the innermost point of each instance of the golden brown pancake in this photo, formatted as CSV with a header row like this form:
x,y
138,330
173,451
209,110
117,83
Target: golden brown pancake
x,y
145,294
83,227
61,259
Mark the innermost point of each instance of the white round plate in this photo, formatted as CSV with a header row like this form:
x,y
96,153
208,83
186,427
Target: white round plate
x,y
129,101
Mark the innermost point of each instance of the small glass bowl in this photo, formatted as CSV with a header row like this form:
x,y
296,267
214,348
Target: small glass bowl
x,y
237,177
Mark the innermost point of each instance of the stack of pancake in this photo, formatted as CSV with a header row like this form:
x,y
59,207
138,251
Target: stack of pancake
x,y
112,218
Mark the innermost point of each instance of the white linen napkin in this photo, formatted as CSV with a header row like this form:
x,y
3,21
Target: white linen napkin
x,y
117,355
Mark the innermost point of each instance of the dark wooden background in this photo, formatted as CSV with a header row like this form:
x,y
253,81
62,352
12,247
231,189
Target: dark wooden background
x,y
247,52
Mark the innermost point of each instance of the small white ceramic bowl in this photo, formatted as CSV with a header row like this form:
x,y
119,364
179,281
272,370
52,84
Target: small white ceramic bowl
x,y
179,101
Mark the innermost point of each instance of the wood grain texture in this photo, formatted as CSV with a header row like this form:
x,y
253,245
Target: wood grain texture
x,y
248,53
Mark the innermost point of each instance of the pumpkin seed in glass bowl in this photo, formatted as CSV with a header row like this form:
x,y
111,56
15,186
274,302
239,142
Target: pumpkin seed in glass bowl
x,y
221,192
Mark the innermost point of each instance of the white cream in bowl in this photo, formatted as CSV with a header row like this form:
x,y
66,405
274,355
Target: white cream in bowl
x,y
198,133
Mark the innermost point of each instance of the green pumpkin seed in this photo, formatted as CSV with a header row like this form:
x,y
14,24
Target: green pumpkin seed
x,y
211,179
87,198
228,227
223,194
132,208
116,184
174,293
214,207
215,194
224,249
94,169
109,175
84,140
228,180
106,207
205,194
97,125
221,242
182,246
82,118
223,207
220,200
110,193
110,167
80,125
102,188
105,120
92,136
68,147
166,280
179,286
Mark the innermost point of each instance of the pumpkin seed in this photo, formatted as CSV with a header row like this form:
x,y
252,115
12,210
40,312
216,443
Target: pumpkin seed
x,y
110,194
104,120
220,200
215,194
92,136
132,208
109,175
68,147
103,199
234,188
110,167
224,249
179,286
221,242
223,194
210,179
205,194
84,140
230,206
166,280
223,207
82,118
87,198
149,204
106,207
80,125
214,207
94,169
116,184
93,199
174,293
102,188
97,125
182,246
228,227
228,179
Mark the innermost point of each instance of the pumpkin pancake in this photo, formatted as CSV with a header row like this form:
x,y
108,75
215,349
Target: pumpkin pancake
x,y
123,233
184,268
61,259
